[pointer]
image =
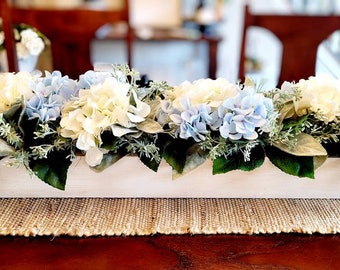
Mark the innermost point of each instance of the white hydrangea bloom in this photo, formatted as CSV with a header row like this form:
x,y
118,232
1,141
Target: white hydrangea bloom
x,y
14,87
105,106
203,91
320,94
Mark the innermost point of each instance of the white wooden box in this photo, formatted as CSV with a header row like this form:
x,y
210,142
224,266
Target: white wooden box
x,y
130,178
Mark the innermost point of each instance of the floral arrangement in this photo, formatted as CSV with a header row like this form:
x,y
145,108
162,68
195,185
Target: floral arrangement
x,y
29,41
47,120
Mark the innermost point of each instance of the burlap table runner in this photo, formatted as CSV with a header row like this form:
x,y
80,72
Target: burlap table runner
x,y
108,217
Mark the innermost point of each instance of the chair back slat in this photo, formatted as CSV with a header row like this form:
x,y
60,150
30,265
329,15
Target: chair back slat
x,y
300,36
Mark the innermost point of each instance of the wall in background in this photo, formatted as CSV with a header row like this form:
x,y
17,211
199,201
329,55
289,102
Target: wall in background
x,y
178,61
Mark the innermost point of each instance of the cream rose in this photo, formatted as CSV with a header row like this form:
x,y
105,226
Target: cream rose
x,y
32,42
22,51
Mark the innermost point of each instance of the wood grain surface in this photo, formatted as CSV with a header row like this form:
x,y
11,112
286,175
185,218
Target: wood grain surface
x,y
277,251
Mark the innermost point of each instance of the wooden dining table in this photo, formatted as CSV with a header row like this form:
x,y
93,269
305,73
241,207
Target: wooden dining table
x,y
232,251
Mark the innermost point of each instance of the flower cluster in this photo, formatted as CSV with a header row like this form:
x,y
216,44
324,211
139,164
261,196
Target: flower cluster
x,y
320,96
108,103
216,113
48,119
29,41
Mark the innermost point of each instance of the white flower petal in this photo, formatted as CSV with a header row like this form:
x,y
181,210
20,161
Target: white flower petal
x,y
135,118
94,156
120,131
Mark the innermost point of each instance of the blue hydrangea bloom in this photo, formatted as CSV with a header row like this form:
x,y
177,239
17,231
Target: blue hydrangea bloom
x,y
92,78
164,111
192,122
51,92
243,114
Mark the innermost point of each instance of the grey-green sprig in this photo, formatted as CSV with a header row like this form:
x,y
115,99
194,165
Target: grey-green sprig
x,y
9,133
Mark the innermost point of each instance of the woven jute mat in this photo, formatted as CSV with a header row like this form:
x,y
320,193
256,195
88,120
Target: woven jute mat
x,y
109,217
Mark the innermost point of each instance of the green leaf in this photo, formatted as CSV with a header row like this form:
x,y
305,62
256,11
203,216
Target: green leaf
x,y
301,166
162,142
293,123
194,159
152,164
14,112
287,111
224,165
52,170
28,127
306,146
236,161
175,153
109,142
333,148
149,126
108,160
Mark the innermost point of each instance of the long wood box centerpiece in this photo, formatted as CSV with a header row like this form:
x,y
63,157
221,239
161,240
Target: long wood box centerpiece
x,y
114,133
129,178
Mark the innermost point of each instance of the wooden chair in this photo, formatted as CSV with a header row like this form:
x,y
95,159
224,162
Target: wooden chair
x,y
300,36
69,30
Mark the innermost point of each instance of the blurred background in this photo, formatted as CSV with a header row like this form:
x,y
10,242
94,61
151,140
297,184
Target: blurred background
x,y
176,60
